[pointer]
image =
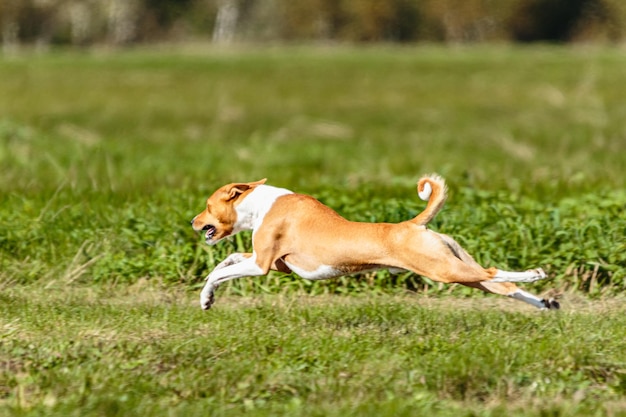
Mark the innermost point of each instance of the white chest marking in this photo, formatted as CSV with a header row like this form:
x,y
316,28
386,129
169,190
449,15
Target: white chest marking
x,y
252,210
321,272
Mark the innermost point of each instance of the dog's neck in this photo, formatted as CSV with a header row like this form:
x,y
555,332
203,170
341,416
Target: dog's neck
x,y
255,205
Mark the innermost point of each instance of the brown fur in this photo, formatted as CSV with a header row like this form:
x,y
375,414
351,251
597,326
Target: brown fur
x,y
300,231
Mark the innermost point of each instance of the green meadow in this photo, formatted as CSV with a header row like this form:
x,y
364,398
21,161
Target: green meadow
x,y
106,155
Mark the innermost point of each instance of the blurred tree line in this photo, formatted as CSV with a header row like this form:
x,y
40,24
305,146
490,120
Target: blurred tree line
x,y
120,22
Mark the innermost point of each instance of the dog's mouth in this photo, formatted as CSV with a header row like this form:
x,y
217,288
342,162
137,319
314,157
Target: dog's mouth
x,y
210,232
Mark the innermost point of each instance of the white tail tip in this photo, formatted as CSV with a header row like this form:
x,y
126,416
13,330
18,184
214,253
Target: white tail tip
x,y
425,192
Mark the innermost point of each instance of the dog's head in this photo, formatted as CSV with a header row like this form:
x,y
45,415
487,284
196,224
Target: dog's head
x,y
219,219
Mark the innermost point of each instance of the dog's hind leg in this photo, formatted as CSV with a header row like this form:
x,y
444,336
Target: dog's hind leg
x,y
531,275
511,290
499,276
508,289
542,303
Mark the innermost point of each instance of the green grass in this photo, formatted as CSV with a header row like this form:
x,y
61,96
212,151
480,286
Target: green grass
x,y
141,350
534,120
106,155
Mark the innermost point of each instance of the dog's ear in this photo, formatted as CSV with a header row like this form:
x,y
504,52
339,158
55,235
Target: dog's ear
x,y
235,190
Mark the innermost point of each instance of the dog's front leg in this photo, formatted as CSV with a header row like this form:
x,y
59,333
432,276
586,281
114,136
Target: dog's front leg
x,y
233,258
236,267
208,292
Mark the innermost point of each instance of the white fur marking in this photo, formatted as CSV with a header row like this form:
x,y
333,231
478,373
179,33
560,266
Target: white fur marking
x,y
233,258
528,276
247,267
425,193
254,207
321,272
243,267
528,298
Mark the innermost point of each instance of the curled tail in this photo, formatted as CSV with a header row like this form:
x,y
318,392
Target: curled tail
x,y
431,188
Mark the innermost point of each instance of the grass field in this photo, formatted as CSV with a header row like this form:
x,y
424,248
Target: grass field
x,y
141,350
105,156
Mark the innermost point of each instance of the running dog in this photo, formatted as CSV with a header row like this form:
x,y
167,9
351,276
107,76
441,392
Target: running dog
x,y
296,233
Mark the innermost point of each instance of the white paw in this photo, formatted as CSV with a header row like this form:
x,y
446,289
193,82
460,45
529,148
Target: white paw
x,y
207,297
539,273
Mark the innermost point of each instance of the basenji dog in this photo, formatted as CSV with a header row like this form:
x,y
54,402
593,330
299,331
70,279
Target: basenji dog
x,y
296,233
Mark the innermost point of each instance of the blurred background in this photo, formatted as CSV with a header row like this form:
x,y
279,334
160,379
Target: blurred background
x,y
46,23
119,117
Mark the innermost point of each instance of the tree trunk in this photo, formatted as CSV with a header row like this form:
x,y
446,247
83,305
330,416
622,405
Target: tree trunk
x,y
122,24
226,21
80,22
10,27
